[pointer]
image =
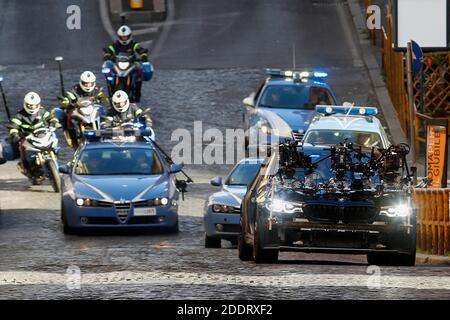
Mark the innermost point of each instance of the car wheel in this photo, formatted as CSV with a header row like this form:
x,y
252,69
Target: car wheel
x,y
261,255
212,242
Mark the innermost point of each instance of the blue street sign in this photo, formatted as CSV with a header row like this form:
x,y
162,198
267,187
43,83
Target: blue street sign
x,y
417,56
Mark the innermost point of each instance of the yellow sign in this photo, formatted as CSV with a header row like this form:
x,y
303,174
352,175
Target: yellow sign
x,y
436,154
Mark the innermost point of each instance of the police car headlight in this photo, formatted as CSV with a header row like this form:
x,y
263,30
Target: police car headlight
x,y
266,129
219,208
86,202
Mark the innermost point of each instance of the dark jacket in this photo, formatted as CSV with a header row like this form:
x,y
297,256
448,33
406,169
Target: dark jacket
x,y
71,97
23,123
132,49
134,114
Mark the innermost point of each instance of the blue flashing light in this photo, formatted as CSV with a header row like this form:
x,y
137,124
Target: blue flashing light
x,y
348,110
89,133
1,78
106,70
296,74
320,74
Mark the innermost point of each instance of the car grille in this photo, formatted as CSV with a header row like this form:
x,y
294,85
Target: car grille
x,y
318,212
335,213
122,211
298,137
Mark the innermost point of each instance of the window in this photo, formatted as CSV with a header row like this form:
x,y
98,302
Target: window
x,y
243,174
295,96
118,161
331,137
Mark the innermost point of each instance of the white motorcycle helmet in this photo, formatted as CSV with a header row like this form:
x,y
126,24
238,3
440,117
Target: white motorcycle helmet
x,y
120,101
87,81
124,35
32,103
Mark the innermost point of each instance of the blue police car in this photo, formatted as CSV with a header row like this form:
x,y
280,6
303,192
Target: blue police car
x,y
119,182
286,102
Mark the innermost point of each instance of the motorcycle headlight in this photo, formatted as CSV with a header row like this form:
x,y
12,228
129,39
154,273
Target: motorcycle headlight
x,y
86,111
401,210
282,206
123,65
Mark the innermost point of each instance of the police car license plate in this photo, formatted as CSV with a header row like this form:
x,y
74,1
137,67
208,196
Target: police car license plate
x,y
142,212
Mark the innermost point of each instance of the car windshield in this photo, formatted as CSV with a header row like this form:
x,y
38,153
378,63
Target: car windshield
x,y
332,137
118,161
294,96
243,174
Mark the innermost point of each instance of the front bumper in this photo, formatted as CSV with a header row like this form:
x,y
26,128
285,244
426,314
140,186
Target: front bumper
x,y
223,225
355,238
107,217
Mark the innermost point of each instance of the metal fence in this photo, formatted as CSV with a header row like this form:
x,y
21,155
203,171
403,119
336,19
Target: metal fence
x,y
433,220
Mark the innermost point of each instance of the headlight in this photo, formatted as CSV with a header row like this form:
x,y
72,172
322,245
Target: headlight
x,y
219,208
278,205
401,210
86,202
266,129
123,65
87,110
158,202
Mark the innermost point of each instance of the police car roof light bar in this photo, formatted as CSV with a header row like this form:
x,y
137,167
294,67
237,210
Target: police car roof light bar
x,y
347,110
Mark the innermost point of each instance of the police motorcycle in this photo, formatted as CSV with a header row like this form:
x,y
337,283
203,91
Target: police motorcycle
x,y
86,116
121,74
38,157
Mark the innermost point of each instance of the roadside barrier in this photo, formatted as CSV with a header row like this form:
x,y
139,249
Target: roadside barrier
x,y
433,221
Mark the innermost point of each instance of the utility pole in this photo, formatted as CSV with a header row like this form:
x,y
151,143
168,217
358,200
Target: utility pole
x,y
412,108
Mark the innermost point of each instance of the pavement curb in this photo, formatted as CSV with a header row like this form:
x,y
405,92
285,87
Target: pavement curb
x,y
374,71
432,259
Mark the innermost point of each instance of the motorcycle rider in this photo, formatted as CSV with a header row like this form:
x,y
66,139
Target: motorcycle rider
x,y
86,88
123,111
31,117
126,44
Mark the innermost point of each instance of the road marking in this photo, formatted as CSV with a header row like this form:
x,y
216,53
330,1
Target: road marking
x,y
349,39
146,44
104,16
194,278
165,31
139,32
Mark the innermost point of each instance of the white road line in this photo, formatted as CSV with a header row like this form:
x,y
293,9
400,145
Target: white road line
x,y
349,39
146,44
104,16
139,32
165,31
194,278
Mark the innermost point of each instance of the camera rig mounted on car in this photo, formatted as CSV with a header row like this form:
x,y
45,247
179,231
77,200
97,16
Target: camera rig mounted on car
x,y
344,169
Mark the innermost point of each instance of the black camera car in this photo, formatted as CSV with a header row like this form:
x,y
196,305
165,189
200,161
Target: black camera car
x,y
339,199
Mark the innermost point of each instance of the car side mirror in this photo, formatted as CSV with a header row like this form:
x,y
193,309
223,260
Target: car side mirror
x,y
216,182
175,168
249,101
65,169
